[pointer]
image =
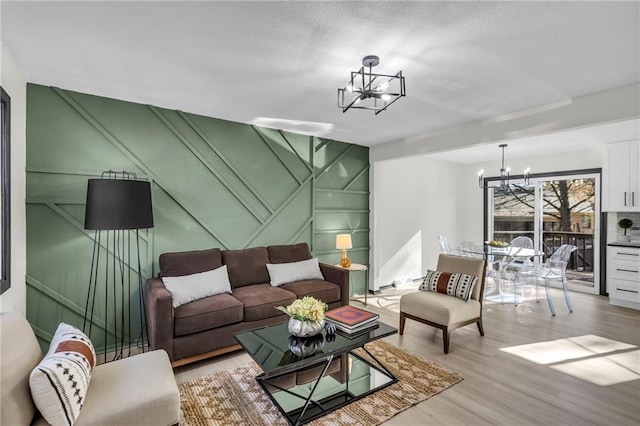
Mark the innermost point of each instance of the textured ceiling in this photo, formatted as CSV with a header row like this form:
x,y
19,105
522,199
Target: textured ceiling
x,y
463,61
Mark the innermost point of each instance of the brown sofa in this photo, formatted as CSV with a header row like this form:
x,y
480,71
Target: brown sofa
x,y
205,327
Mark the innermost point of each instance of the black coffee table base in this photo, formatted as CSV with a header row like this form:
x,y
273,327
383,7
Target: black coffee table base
x,y
302,403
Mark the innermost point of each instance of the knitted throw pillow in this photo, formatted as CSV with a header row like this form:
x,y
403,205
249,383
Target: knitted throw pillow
x,y
458,285
59,383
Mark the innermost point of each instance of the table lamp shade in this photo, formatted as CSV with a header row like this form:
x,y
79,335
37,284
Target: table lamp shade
x,y
118,204
343,241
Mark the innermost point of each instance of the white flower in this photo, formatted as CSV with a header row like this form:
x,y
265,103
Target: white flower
x,y
306,309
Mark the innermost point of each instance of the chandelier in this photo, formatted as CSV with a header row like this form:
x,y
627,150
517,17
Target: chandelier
x,y
368,90
504,184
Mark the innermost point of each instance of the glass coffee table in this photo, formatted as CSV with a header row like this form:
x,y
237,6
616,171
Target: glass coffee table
x,y
308,378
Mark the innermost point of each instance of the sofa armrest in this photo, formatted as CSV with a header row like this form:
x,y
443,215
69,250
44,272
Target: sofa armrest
x,y
159,313
339,276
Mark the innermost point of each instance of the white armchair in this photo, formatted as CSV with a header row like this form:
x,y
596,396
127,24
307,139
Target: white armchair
x,y
441,310
138,390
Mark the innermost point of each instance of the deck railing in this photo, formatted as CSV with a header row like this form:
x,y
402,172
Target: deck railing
x,y
581,259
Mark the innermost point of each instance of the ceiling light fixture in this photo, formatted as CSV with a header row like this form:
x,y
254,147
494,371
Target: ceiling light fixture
x,y
504,177
367,90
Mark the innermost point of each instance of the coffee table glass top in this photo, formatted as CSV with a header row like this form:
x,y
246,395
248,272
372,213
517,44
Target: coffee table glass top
x,y
276,351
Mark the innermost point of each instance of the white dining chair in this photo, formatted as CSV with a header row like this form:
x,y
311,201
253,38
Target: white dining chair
x,y
517,263
443,242
552,270
470,249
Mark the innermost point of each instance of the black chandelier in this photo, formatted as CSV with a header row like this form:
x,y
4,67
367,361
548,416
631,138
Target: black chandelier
x,y
368,90
504,183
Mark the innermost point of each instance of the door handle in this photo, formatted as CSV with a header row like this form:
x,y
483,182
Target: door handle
x,y
628,291
633,198
625,199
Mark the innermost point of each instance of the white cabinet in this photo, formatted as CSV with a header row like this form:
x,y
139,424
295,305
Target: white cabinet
x,y
621,177
623,276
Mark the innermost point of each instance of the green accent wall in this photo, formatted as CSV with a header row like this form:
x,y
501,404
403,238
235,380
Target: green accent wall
x,y
215,183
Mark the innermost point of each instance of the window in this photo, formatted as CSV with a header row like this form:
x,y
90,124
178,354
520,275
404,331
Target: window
x,y
5,192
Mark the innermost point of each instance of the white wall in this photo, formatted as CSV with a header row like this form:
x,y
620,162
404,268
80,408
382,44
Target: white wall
x,y
12,81
413,201
416,199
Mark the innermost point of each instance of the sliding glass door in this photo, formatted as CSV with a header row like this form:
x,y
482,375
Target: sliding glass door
x,y
555,209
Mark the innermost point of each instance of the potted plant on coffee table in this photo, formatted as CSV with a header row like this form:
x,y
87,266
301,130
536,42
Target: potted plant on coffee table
x,y
306,316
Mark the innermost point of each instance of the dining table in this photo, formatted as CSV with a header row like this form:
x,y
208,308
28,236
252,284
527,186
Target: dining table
x,y
503,258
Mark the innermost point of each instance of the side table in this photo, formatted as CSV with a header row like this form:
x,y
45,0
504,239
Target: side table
x,y
362,268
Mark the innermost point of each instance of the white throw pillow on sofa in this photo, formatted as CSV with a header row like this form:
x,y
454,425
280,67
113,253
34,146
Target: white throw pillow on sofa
x,y
59,383
282,273
188,288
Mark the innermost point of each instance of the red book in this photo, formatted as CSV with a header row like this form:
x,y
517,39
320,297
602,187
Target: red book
x,y
350,317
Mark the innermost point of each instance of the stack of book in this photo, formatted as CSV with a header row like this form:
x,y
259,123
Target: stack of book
x,y
351,320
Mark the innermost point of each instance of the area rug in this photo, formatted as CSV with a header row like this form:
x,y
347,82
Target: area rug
x,y
233,397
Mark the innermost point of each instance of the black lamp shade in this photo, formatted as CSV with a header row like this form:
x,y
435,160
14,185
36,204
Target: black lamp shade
x,y
118,204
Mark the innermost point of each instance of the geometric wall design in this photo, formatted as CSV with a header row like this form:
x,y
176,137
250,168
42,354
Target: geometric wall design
x,y
215,183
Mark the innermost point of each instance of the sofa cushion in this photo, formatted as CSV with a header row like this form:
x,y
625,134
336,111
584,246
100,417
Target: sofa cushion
x,y
187,288
59,384
19,354
289,253
442,308
204,314
260,300
189,262
282,273
248,266
320,289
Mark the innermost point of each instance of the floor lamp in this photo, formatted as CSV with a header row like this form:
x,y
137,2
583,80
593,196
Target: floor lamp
x,y
118,206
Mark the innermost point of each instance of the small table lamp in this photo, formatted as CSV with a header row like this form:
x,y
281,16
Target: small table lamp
x,y
343,242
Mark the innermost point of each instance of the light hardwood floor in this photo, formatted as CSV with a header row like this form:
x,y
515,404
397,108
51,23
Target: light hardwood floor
x,y
502,388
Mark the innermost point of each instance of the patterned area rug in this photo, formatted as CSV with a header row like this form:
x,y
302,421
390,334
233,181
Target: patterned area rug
x,y
234,397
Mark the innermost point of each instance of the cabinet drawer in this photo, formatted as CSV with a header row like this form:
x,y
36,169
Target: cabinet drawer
x,y
624,270
624,290
624,253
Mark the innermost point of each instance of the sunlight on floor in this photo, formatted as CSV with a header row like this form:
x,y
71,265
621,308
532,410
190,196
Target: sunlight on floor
x,y
603,370
389,298
566,349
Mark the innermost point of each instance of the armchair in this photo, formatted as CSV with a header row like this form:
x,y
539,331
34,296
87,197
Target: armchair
x,y
140,389
443,311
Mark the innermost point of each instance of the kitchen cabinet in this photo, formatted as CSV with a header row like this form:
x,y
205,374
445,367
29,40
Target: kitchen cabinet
x,y
623,276
621,177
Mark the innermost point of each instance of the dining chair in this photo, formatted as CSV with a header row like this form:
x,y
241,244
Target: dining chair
x,y
493,265
553,269
444,244
470,249
522,241
517,263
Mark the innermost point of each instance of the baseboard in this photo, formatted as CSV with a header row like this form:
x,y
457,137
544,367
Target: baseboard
x,y
200,357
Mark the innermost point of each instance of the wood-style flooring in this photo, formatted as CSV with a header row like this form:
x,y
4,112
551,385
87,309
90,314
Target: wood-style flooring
x,y
502,388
